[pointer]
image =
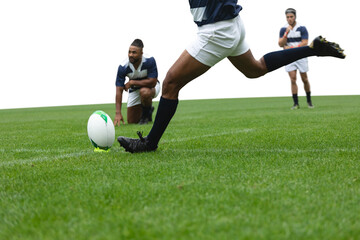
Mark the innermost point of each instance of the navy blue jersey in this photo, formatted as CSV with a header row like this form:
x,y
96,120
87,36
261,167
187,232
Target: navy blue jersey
x,y
296,35
211,11
146,69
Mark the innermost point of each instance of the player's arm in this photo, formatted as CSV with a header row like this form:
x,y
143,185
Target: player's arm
x,y
119,83
118,103
148,82
283,36
304,43
282,41
304,37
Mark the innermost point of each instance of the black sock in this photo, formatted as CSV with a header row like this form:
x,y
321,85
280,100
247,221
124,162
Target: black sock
x,y
164,114
275,60
145,112
308,96
296,99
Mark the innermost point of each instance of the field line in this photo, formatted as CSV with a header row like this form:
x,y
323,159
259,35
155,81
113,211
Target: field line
x,y
43,158
208,135
271,150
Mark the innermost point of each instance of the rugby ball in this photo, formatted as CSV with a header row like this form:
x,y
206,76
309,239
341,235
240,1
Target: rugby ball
x,y
101,130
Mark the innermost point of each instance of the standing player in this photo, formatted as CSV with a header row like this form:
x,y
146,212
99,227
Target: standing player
x,y
221,34
143,85
294,35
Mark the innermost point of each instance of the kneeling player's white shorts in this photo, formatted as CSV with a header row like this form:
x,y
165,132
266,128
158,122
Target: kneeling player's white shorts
x,y
301,64
135,98
219,40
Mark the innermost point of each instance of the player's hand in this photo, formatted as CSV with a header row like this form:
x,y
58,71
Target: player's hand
x,y
289,28
127,86
118,120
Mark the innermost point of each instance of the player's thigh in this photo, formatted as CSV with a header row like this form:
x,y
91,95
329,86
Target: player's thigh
x,y
248,65
304,77
134,113
185,69
292,75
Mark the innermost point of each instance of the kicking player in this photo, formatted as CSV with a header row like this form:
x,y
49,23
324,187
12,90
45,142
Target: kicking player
x,y
143,85
221,34
293,35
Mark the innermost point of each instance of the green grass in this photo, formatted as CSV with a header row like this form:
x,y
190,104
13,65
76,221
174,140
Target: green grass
x,y
225,169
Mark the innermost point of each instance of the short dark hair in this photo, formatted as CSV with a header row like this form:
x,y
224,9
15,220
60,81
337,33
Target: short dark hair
x,y
137,43
290,10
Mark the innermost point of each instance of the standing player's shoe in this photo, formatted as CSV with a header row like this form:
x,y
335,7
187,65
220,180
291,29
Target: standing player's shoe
x,y
310,105
136,145
295,107
143,121
324,48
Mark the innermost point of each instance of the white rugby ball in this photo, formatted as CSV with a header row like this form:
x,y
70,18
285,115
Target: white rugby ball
x,y
101,130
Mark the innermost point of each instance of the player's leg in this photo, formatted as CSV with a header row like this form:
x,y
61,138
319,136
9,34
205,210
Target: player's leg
x,y
305,80
156,93
146,96
134,108
134,114
184,70
319,47
248,65
294,89
271,61
252,68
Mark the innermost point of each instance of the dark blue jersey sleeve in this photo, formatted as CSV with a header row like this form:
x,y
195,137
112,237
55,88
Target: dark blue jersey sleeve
x,y
282,32
152,68
120,77
304,32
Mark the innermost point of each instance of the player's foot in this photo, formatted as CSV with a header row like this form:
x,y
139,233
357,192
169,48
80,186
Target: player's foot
x,y
143,121
324,48
150,114
136,145
310,105
296,106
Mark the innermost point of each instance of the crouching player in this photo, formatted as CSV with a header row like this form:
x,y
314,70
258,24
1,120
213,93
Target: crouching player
x,y
142,86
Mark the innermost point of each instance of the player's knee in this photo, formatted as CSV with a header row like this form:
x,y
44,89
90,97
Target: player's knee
x,y
170,81
256,73
171,86
253,75
145,92
305,80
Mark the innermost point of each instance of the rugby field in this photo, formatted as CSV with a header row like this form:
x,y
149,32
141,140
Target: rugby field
x,y
225,169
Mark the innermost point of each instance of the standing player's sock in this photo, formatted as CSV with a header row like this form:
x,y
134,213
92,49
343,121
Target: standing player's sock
x,y
296,99
275,60
145,112
308,97
165,112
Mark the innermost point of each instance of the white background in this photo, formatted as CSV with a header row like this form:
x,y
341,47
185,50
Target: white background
x,y
66,52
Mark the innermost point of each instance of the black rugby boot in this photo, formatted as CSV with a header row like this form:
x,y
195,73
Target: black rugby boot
x,y
324,48
134,145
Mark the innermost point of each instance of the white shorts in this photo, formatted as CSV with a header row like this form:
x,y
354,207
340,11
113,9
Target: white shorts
x,y
301,64
135,99
219,40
